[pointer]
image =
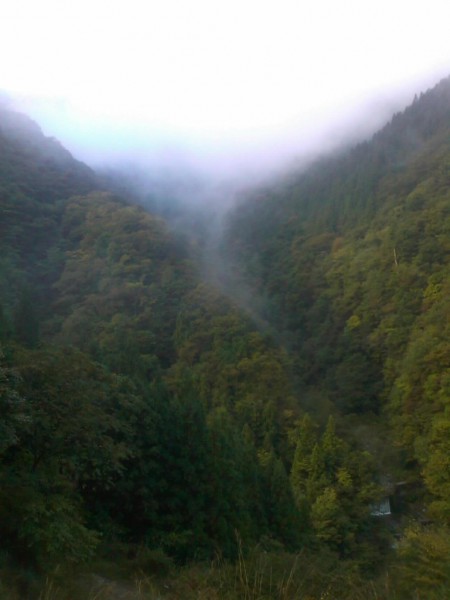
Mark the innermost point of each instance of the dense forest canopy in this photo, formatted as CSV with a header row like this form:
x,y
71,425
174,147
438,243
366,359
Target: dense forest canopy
x,y
145,405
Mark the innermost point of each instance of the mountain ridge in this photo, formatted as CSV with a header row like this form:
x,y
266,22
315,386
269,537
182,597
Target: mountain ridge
x,y
144,410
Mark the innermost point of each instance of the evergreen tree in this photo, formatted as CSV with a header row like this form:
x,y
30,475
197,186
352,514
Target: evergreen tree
x,y
26,322
302,463
283,518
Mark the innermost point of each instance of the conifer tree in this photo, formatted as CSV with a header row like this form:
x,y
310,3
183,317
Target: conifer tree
x,y
26,323
283,517
302,463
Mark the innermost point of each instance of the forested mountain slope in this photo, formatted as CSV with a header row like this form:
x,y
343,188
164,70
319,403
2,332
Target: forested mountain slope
x,y
36,175
353,260
143,410
139,407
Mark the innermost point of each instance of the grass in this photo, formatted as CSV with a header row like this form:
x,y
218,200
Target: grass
x,y
256,575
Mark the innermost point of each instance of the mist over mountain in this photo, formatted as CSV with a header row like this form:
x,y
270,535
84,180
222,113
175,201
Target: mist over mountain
x,y
234,154
208,381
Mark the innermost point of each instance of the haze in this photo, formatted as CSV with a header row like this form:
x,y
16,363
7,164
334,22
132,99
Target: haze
x,y
233,85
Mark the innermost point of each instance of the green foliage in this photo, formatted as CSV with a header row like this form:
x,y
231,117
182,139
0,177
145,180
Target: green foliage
x,y
436,468
140,407
74,407
120,291
424,565
67,428
230,364
283,519
36,175
234,486
352,259
26,323
334,487
14,414
53,530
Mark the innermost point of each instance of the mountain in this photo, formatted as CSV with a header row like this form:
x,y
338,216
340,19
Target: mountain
x,y
36,175
169,398
352,260
136,405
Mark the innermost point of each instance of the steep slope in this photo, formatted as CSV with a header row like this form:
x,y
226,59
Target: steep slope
x,y
142,409
339,191
36,175
135,400
353,261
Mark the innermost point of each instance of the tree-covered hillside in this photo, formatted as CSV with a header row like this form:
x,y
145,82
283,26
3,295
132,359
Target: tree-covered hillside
x,y
140,408
148,415
36,175
352,259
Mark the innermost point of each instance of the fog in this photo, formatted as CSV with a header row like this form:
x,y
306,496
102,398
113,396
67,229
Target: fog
x,y
183,105
232,155
236,90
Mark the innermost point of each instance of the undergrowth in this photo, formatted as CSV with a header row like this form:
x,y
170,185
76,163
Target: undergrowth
x,y
145,574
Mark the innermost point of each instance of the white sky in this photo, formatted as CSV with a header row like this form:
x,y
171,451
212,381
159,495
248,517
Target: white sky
x,y
209,72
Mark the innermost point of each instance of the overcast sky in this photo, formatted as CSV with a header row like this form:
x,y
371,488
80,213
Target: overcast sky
x,y
221,78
